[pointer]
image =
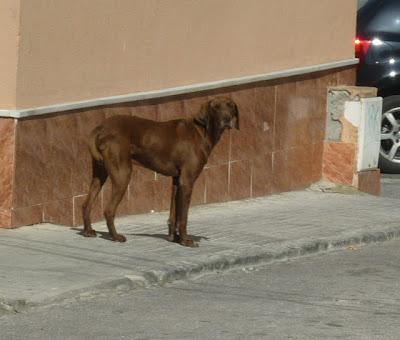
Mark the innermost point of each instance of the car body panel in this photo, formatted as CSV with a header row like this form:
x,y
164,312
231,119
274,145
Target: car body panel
x,y
378,22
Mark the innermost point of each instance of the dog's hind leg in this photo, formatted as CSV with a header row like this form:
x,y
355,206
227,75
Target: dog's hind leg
x,y
99,177
172,234
119,166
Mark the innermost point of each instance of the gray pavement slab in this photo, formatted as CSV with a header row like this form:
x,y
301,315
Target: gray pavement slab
x,y
44,262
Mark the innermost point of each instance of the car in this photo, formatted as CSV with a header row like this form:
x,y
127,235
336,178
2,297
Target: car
x,y
377,45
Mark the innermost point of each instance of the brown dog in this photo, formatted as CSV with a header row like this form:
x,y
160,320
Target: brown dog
x,y
177,148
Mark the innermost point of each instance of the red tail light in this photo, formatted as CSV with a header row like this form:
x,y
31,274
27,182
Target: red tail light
x,y
362,47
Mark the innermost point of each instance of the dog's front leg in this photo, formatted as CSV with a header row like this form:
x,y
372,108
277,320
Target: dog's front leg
x,y
172,234
184,194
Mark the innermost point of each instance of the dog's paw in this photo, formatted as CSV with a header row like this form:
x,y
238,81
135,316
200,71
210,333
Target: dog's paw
x,y
118,238
174,238
189,243
89,233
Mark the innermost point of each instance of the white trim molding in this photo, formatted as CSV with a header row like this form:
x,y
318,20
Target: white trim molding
x,y
22,113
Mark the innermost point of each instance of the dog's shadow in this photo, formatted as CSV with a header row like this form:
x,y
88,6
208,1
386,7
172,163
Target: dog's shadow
x,y
102,234
105,235
164,237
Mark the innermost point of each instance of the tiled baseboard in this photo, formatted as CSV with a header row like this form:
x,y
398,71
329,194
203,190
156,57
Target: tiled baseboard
x,y
278,148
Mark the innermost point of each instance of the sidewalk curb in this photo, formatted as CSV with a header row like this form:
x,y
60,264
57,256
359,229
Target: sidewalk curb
x,y
285,250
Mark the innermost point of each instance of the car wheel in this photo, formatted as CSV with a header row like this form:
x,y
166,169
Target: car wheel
x,y
389,155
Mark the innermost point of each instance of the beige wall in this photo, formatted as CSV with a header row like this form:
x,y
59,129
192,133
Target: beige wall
x,y
9,22
76,50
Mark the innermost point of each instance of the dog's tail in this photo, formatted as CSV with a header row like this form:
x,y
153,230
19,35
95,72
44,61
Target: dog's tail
x,y
93,144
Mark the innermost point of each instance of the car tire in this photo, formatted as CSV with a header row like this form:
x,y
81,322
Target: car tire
x,y
390,108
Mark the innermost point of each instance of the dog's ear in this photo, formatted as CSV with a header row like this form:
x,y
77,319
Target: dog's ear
x,y
203,117
236,111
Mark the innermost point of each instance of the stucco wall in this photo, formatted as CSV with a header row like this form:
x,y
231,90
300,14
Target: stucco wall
x,y
9,22
76,50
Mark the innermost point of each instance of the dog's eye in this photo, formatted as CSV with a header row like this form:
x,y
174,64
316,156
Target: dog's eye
x,y
217,106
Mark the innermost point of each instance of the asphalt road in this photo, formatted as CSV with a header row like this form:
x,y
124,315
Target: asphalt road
x,y
348,294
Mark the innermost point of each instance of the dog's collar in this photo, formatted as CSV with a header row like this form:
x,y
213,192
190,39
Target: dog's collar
x,y
203,128
203,133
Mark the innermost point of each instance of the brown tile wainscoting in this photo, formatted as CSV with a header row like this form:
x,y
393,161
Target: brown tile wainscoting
x,y
45,165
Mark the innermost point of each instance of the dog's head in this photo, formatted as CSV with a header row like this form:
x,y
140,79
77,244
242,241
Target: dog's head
x,y
218,114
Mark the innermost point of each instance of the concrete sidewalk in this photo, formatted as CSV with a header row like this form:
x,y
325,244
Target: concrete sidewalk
x,y
42,263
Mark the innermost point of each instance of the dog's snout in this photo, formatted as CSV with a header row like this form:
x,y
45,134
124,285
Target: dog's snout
x,y
232,123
